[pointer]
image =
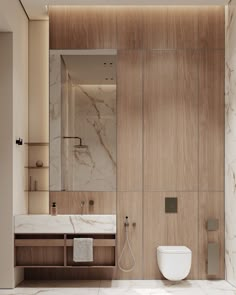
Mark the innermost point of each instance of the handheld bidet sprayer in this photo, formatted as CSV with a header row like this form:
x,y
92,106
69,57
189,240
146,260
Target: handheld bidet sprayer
x,y
127,244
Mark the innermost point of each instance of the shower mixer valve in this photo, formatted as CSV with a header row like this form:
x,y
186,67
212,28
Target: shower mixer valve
x,y
126,221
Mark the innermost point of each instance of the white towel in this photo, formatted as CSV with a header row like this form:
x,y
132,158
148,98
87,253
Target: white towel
x,y
83,250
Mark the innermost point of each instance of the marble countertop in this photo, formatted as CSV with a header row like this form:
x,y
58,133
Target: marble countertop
x,y
65,224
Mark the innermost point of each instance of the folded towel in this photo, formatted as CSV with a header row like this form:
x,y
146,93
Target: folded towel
x,y
83,250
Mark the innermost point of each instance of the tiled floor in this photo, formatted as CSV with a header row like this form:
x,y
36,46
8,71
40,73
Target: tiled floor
x,y
123,288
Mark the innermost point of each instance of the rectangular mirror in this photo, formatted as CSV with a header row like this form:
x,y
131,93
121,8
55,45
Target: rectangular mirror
x,y
82,120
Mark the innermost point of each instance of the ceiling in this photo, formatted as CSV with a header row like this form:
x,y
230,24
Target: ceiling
x,y
91,69
36,9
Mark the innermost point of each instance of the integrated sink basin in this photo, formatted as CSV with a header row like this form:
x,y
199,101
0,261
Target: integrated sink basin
x,y
65,224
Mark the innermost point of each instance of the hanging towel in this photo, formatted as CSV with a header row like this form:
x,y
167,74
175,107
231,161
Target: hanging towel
x,y
83,250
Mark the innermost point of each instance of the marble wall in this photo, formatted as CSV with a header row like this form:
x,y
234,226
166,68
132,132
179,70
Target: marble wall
x,y
91,116
88,112
230,144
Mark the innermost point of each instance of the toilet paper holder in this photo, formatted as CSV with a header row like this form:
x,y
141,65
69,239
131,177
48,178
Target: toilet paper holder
x,y
213,248
213,256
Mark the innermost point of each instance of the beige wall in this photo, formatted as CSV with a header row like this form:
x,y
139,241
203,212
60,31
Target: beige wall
x,y
39,108
14,123
6,159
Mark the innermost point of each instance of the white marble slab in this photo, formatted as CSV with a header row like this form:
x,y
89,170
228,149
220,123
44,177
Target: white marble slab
x,y
68,224
122,288
230,143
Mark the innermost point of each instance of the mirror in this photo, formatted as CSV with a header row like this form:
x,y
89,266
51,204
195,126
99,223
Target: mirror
x,y
82,120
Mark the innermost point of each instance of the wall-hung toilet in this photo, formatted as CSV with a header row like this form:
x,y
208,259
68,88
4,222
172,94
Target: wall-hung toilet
x,y
174,262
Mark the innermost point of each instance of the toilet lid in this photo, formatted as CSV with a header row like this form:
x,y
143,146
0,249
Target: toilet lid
x,y
174,249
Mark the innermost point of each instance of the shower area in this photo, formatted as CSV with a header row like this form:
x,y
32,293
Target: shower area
x,y
86,123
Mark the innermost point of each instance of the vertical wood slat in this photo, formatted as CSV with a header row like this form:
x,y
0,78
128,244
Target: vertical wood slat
x,y
78,27
211,121
182,27
183,226
170,121
130,204
155,232
155,27
129,120
211,27
160,154
129,27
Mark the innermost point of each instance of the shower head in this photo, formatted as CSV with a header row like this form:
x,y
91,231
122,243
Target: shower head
x,y
80,145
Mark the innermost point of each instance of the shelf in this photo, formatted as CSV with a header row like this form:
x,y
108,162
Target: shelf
x,y
38,191
68,266
60,243
34,167
37,143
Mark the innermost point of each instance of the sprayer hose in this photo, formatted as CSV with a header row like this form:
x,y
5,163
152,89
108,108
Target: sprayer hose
x,y
127,242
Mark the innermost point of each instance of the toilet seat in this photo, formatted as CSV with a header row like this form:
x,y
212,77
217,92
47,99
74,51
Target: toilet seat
x,y
174,249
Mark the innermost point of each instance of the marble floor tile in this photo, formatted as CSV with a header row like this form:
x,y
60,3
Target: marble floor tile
x,y
51,291
134,287
61,284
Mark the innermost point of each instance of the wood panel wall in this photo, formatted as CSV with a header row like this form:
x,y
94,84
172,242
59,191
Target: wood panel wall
x,y
170,120
137,27
78,202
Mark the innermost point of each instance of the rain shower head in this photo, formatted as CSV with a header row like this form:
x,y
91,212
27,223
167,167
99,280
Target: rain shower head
x,y
80,145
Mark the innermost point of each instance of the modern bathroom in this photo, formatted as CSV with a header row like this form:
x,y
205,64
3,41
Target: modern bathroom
x,y
118,147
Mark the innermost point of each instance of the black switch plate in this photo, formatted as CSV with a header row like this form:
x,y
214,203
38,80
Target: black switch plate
x,y
171,205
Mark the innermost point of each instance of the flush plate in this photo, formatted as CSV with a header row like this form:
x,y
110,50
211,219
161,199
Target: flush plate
x,y
171,205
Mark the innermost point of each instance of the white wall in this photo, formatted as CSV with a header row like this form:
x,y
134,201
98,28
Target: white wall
x,y
13,199
39,109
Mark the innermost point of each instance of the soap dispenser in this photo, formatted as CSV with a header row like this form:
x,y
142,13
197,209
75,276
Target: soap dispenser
x,y
54,209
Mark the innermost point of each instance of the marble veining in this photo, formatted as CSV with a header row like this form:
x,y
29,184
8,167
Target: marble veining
x,y
89,112
94,168
122,288
230,144
71,224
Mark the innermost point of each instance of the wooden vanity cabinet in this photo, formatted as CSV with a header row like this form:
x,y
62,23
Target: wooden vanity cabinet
x,y
56,250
